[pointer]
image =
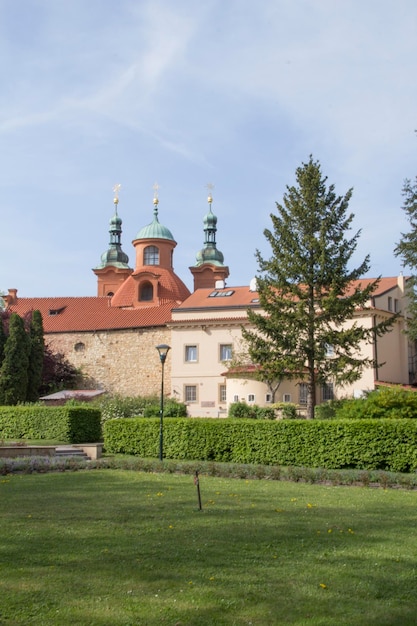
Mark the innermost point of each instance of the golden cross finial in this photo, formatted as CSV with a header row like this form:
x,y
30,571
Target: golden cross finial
x,y
155,193
210,188
116,190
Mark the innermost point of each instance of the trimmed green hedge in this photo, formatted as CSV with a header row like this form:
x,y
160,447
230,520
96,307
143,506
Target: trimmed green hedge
x,y
68,424
362,444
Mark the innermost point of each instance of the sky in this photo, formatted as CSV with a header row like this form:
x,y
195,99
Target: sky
x,y
233,93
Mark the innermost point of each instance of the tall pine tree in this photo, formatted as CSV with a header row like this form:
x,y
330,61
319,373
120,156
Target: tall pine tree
x,y
307,291
36,357
407,250
14,369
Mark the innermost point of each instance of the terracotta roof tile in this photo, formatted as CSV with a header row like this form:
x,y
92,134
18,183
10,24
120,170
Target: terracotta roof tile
x,y
90,314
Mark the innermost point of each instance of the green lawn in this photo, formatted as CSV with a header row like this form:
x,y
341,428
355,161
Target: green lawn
x,y
123,548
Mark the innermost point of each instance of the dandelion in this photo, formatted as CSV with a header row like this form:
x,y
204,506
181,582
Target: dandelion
x,y
293,499
211,578
329,530
170,526
323,586
159,494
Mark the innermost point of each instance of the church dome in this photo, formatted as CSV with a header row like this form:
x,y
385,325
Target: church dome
x,y
155,230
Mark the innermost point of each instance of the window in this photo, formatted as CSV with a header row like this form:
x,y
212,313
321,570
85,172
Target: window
x,y
79,347
268,397
302,398
329,349
286,397
389,303
251,397
235,398
151,255
221,294
222,393
396,306
190,354
327,392
146,292
225,352
190,393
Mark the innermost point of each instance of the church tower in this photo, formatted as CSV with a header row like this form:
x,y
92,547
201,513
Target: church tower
x,y
209,269
113,269
153,282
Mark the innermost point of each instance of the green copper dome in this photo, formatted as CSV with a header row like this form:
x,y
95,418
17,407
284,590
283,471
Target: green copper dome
x,y
155,230
114,256
210,254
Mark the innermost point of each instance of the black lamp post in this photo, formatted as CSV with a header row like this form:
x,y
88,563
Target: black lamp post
x,y
163,350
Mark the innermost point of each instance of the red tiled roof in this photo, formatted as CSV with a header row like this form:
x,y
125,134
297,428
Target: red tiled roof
x,y
91,313
243,297
171,287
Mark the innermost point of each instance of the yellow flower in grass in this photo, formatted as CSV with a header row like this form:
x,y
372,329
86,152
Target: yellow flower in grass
x,y
323,586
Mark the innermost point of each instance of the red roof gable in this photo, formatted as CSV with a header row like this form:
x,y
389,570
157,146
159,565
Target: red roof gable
x,y
90,313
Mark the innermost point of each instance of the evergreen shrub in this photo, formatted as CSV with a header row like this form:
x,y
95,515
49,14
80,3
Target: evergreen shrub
x,y
67,424
384,444
383,403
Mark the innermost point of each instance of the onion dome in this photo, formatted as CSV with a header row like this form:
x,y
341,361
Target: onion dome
x,y
155,230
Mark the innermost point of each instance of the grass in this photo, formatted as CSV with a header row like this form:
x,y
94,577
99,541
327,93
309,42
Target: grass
x,y
123,548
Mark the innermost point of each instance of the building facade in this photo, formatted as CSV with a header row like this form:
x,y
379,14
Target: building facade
x,y
112,336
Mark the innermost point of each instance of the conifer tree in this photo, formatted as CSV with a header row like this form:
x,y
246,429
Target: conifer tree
x,y
306,290
407,250
36,357
14,369
2,339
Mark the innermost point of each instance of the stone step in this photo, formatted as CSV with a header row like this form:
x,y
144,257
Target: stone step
x,y
69,451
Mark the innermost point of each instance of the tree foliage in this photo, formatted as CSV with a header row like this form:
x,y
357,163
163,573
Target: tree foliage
x,y
36,357
307,291
14,369
407,250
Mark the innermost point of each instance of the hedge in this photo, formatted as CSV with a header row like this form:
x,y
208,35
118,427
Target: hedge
x,y
358,444
67,424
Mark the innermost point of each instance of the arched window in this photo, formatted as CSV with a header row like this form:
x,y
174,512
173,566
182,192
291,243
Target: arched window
x,y
146,292
151,255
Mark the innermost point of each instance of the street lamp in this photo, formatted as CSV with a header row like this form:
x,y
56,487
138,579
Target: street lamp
x,y
163,350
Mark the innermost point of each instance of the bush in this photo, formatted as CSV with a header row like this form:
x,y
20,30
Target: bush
x,y
389,445
241,410
329,410
287,410
67,424
117,406
385,402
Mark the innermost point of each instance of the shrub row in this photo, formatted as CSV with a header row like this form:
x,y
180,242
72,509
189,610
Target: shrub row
x,y
67,424
358,444
385,402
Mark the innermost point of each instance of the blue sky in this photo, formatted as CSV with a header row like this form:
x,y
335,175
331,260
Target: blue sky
x,y
230,92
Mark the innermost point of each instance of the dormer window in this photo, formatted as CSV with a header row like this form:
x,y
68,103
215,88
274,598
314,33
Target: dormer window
x,y
146,292
151,255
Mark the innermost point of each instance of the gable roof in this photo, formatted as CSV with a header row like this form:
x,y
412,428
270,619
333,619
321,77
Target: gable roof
x,y
71,314
243,297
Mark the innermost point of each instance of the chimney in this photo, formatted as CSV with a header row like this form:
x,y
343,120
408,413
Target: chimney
x,y
401,282
11,297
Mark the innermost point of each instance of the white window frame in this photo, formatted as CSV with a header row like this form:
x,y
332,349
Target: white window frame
x,y
251,397
222,393
286,397
303,395
268,397
225,352
191,353
188,396
235,398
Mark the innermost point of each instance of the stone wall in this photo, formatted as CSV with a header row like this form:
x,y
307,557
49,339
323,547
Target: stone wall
x,y
120,361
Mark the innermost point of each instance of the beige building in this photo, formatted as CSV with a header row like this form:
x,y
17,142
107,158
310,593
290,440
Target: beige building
x,y
112,336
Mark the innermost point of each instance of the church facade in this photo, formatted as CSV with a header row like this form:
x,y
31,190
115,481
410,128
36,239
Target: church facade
x,y
112,337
